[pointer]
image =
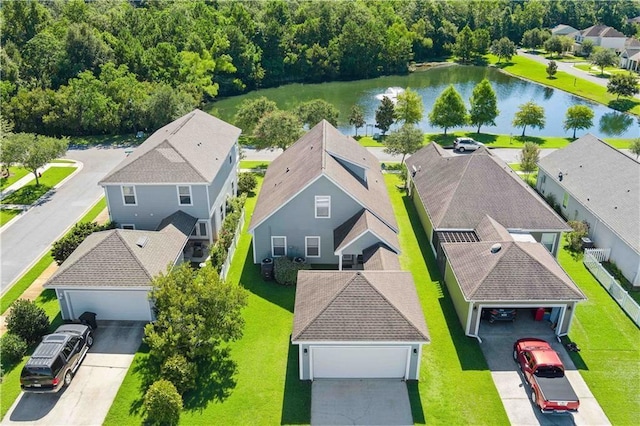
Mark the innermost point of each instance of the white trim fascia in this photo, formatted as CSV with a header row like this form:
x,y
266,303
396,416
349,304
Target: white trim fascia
x,y
300,365
253,241
96,288
106,197
342,249
190,195
311,182
356,343
469,315
395,228
155,183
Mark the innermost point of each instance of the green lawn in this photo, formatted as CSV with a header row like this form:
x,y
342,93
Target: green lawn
x,y
30,193
7,215
15,174
455,384
609,359
591,69
535,71
246,164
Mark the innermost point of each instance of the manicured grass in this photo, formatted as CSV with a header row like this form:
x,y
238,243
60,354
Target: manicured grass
x,y
265,389
63,161
246,164
593,70
30,193
15,174
127,139
455,384
609,357
535,71
7,215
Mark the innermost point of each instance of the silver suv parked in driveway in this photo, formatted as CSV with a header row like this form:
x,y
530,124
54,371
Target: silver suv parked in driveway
x,y
466,144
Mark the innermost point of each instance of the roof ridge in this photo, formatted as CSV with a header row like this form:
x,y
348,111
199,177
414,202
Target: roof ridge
x,y
124,242
323,166
170,143
452,193
181,125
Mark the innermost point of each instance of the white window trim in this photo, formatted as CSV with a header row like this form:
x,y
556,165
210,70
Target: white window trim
x,y
128,226
190,195
196,229
316,206
306,245
285,245
135,195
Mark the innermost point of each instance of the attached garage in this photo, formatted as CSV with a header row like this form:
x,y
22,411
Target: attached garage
x,y
355,325
130,305
360,362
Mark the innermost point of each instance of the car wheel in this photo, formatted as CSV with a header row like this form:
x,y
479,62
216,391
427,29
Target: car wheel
x,y
515,355
533,397
461,149
90,340
67,378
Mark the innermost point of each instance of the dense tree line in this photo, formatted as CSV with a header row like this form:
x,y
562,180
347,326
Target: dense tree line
x,y
111,66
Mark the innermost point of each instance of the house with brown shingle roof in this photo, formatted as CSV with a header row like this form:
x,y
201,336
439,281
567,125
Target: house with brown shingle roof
x,y
323,199
603,36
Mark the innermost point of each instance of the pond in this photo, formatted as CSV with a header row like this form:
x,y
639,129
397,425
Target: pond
x,y
511,93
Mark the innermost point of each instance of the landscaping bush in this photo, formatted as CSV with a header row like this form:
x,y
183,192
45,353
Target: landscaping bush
x,y
13,348
162,404
247,182
574,238
63,248
180,372
286,270
218,256
227,233
27,320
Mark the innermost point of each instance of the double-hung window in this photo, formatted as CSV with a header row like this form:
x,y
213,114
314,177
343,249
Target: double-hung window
x,y
184,195
278,246
323,206
312,246
129,195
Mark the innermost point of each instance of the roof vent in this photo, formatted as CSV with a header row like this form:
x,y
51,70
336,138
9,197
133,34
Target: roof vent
x,y
142,241
496,248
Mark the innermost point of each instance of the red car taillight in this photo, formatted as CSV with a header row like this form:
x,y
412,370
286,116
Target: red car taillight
x,y
55,382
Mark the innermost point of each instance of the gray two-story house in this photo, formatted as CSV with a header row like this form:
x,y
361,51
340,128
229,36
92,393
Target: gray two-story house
x,y
189,165
323,199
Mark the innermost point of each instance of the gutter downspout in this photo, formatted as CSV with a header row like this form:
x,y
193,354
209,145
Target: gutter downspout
x,y
469,323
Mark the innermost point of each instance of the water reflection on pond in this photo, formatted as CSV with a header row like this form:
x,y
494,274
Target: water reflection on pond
x,y
511,93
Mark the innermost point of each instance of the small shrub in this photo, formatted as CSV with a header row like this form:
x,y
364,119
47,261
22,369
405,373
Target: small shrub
x,y
27,320
574,238
286,270
63,248
162,404
218,256
236,204
180,372
247,182
13,348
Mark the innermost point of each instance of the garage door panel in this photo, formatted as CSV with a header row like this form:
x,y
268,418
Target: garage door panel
x,y
359,361
110,305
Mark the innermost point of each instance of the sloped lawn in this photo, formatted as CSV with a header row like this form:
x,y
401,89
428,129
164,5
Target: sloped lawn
x,y
609,342
264,390
455,386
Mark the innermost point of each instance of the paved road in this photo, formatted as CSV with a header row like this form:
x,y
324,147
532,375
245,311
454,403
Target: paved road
x,y
28,238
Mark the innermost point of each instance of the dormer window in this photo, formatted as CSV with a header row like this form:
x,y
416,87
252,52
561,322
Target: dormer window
x,y
323,206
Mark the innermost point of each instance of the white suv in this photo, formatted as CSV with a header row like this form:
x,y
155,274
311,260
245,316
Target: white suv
x,y
466,144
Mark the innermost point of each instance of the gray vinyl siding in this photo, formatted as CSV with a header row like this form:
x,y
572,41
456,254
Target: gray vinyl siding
x,y
538,237
154,203
222,182
459,303
296,220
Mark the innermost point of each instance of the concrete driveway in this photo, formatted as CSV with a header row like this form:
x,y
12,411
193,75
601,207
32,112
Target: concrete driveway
x,y
360,402
88,399
497,347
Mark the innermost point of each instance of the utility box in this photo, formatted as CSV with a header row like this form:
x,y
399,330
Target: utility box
x,y
587,243
266,269
89,318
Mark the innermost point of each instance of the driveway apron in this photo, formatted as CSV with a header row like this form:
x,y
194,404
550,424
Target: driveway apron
x,y
497,347
86,401
360,402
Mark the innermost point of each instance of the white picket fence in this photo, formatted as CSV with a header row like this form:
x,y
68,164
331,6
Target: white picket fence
x,y
232,248
592,259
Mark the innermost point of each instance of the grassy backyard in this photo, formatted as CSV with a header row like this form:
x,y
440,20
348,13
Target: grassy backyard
x,y
31,192
246,164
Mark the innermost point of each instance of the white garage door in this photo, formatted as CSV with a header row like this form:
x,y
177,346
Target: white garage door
x,y
332,362
110,305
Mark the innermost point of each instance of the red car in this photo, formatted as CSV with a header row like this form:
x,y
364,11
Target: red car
x,y
544,373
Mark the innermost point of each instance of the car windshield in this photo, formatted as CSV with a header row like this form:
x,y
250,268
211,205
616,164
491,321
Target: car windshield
x,y
549,371
36,371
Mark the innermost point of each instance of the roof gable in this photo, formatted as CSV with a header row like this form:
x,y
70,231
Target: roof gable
x,y
359,224
191,149
360,306
601,31
604,180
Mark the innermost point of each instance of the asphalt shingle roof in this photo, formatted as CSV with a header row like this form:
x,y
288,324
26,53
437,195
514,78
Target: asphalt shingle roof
x,y
379,257
458,191
358,224
358,306
190,149
601,31
311,157
124,258
602,179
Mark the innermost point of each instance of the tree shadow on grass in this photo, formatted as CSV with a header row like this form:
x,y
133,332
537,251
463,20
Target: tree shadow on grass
x,y
148,371
296,405
623,104
251,279
503,65
215,381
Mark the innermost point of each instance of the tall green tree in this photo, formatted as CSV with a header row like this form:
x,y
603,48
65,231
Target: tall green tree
x,y
251,111
385,115
406,140
529,114
578,117
484,105
34,151
409,108
586,48
481,41
529,156
634,147
622,85
534,38
503,49
448,110
316,110
196,311
356,117
279,129
603,58
463,47
553,45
